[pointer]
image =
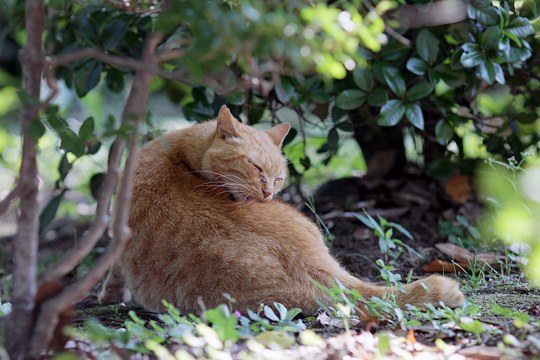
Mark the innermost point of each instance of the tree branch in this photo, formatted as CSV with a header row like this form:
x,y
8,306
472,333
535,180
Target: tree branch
x,y
133,111
151,65
431,14
10,197
20,321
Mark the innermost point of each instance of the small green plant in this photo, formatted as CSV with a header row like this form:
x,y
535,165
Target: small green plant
x,y
328,236
217,330
460,232
390,246
282,320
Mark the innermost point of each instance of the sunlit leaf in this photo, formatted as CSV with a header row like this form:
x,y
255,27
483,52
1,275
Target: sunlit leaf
x,y
350,99
391,113
413,112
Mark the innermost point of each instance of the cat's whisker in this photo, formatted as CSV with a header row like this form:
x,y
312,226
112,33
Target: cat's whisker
x,y
222,175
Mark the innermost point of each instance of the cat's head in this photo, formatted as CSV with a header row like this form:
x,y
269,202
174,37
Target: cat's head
x,y
244,161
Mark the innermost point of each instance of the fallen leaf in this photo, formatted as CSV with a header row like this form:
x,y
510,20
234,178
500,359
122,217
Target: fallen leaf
x,y
324,319
455,252
482,352
464,256
458,188
441,266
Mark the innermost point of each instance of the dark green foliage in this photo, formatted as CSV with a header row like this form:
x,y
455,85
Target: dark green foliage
x,y
330,63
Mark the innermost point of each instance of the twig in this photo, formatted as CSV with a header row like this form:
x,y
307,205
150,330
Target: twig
x,y
133,109
10,197
168,55
20,321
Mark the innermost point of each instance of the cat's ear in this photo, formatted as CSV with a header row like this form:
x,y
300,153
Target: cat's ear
x,y
226,128
278,133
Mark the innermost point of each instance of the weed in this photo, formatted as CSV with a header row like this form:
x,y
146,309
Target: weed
x,y
390,246
328,236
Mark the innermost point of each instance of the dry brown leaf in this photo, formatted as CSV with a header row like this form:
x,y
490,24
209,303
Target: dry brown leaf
x,y
458,188
324,319
464,256
482,352
441,266
455,252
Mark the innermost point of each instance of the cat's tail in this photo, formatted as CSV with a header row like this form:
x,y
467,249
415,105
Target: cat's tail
x,y
431,290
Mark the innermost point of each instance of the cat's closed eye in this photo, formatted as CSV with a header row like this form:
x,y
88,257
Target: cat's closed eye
x,y
256,166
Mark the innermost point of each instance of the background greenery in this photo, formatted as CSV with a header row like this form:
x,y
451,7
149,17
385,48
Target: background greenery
x,y
443,98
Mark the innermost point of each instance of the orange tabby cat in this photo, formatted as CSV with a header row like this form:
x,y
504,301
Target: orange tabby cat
x,y
204,224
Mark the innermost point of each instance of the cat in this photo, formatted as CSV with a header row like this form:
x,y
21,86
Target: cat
x,y
204,223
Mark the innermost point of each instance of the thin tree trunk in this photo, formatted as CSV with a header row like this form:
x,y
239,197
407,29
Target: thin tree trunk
x,y
19,323
134,109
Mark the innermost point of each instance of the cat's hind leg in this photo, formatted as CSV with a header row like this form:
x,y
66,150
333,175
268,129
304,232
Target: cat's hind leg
x,y
114,288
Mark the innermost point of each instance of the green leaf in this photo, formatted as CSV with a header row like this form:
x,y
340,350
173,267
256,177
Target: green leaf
x,y
115,80
486,15
270,314
49,211
37,129
419,91
351,99
112,33
63,167
414,114
345,125
491,71
427,46
363,78
394,80
282,310
490,37
236,98
333,139
71,142
391,113
96,183
93,145
86,129
452,77
521,27
377,97
417,66
87,77
284,90
443,132
471,56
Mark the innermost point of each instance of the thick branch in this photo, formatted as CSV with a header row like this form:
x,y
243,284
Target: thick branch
x,y
19,323
133,111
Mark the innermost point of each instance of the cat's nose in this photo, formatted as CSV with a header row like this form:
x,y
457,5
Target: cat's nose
x,y
266,193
